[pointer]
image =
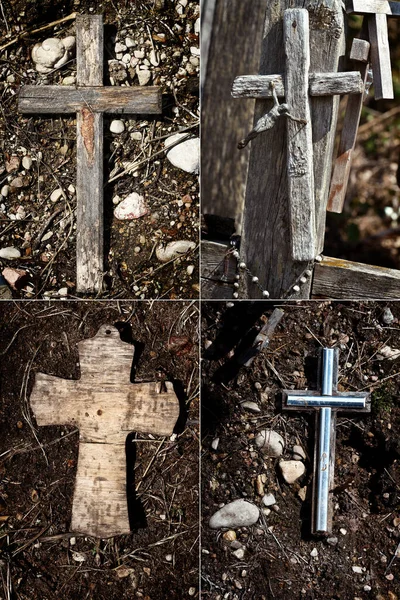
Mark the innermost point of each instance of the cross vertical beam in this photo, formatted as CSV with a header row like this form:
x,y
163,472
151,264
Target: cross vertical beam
x,y
89,157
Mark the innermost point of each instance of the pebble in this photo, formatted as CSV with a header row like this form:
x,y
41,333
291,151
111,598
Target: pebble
x,y
230,536
9,253
387,316
69,80
215,443
47,236
27,162
291,470
5,190
343,531
63,291
14,277
126,59
154,58
269,500
72,541
332,541
56,195
238,513
388,352
117,126
298,453
12,164
144,76
314,553
186,155
251,406
239,553
129,42
71,189
357,570
52,53
139,53
132,207
270,442
174,250
119,47
190,269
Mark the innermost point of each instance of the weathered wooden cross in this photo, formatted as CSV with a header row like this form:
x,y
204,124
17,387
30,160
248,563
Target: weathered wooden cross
x,y
297,85
89,99
326,404
106,407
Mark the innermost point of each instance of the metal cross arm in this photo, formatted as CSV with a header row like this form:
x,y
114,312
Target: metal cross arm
x,y
326,402
89,99
377,12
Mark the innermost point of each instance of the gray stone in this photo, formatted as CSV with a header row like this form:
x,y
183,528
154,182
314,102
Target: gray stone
x,y
298,453
10,253
174,250
268,499
238,513
387,316
251,406
270,442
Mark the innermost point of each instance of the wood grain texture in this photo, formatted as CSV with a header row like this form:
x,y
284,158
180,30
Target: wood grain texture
x,y
105,407
380,57
342,279
373,6
320,84
300,170
360,50
109,99
217,270
234,48
265,243
89,50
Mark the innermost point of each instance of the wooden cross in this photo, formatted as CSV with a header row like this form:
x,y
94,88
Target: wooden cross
x,y
297,85
106,407
377,12
89,99
326,404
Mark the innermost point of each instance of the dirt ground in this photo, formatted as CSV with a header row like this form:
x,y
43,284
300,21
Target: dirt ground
x,y
281,559
39,558
165,36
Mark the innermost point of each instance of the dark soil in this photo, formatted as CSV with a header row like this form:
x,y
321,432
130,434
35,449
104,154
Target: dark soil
x,y
277,562
160,558
131,267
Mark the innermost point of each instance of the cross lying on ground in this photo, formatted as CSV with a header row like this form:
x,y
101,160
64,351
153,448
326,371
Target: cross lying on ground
x,y
297,85
326,404
89,99
106,407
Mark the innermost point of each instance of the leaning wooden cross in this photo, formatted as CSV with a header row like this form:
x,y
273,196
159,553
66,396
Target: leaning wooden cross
x,y
298,85
106,407
326,404
89,99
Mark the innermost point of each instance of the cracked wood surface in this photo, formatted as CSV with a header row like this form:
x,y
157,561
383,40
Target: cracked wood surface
x,y
105,407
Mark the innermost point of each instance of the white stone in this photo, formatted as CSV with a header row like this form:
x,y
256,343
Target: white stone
x,y
174,250
27,162
69,80
47,236
291,470
132,207
119,47
215,443
126,59
387,316
72,541
357,570
144,76
52,53
270,442
56,195
238,513
71,188
117,126
154,58
298,453
139,54
4,190
129,42
388,352
314,553
190,269
186,155
195,51
239,553
268,500
63,291
251,406
9,253
197,26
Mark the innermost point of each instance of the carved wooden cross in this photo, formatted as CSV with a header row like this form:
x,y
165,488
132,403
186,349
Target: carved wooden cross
x,y
89,99
106,407
326,404
377,12
297,85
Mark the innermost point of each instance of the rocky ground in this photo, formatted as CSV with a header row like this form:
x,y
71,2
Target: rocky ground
x,y
261,546
39,557
151,195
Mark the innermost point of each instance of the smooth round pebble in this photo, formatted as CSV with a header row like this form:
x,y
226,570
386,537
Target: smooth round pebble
x,y
4,190
190,269
9,253
117,126
186,155
238,513
174,250
270,442
56,195
132,207
291,470
298,453
27,162
251,406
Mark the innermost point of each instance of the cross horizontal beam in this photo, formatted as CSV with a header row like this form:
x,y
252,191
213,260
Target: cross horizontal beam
x,y
339,400
374,7
320,84
109,99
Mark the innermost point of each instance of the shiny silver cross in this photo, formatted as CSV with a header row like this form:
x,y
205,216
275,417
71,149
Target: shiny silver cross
x,y
326,403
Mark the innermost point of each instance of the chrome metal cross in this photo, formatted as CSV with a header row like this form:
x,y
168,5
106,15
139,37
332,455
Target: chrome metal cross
x,y
326,403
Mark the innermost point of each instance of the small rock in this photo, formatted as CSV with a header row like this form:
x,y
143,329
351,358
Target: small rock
x,y
56,195
387,316
174,250
27,162
238,513
388,352
9,253
129,42
186,155
69,80
189,269
229,536
314,553
268,500
123,572
72,541
367,588
343,531
298,453
302,493
154,58
251,406
270,442
12,164
332,541
63,291
192,591
4,190
52,53
144,76
119,47
19,182
357,570
71,188
139,53
16,278
117,126
47,236
291,470
215,443
239,553
78,556
132,207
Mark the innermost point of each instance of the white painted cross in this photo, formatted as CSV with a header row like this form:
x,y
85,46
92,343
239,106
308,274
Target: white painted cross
x,y
89,99
377,12
326,404
297,85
